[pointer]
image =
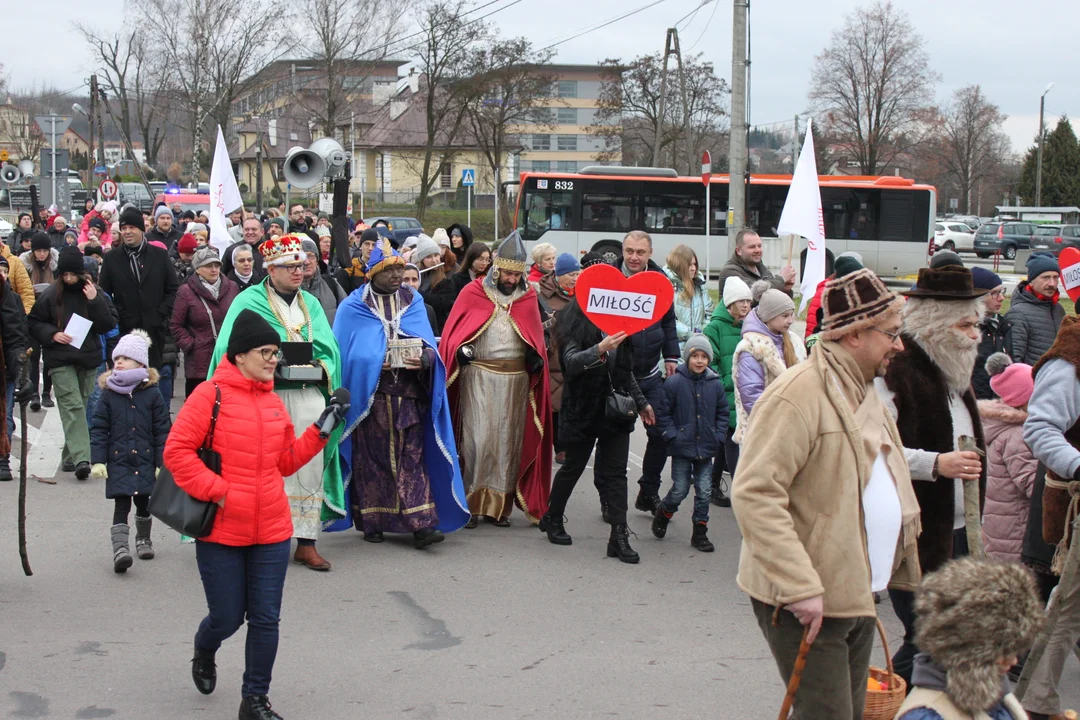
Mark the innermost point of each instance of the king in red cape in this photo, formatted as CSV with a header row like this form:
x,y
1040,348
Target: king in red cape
x,y
497,380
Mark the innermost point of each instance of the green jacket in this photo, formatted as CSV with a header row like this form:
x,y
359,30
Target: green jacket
x,y
724,334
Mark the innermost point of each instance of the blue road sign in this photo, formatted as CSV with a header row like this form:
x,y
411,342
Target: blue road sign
x,y
101,170
468,177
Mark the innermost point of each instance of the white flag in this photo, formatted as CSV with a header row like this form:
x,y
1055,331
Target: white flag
x,y
224,195
802,216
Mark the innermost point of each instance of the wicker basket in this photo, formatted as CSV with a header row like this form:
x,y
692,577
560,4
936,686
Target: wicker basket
x,y
884,704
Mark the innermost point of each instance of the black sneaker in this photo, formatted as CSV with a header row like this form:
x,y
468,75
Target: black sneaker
x,y
660,522
427,536
204,672
68,466
35,403
647,503
47,402
82,470
257,707
5,469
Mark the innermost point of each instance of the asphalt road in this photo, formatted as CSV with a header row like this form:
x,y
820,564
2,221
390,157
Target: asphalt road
x,y
492,623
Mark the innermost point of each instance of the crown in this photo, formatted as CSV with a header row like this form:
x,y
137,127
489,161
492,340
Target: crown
x,y
283,250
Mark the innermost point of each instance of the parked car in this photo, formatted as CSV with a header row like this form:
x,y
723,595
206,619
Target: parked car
x,y
970,220
1003,237
6,229
954,235
136,194
194,202
401,228
1056,238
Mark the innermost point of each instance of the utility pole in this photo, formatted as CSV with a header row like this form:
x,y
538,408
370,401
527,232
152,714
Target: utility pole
x,y
671,47
737,141
98,95
1038,171
258,166
90,163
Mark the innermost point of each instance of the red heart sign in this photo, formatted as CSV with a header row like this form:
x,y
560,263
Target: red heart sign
x,y
616,303
1069,261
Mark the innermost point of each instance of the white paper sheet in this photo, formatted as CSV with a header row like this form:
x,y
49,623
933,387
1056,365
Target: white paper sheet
x,y
78,328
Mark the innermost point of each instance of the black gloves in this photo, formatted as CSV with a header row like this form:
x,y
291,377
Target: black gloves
x,y
534,361
24,388
333,414
465,355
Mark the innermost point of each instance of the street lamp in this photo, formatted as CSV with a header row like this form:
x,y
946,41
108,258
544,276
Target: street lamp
x,y
1038,171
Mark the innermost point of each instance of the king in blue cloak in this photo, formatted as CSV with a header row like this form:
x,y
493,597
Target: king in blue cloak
x,y
398,455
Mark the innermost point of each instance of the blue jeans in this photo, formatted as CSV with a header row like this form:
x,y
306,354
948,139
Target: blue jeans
x,y
683,472
165,384
91,404
238,582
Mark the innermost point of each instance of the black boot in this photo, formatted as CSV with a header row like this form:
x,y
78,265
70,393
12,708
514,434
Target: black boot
x,y
257,707
647,503
204,672
5,469
47,402
618,545
427,536
120,534
605,512
699,539
720,489
374,537
35,403
660,522
556,532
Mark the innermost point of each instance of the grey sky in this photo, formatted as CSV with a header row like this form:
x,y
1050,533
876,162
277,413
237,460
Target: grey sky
x,y
1013,50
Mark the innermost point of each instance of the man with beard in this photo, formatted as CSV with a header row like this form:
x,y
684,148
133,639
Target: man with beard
x,y
494,352
828,515
745,263
400,444
164,229
315,491
928,390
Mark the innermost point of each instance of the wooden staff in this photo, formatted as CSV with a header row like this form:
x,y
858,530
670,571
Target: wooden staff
x,y
790,249
22,469
796,675
972,511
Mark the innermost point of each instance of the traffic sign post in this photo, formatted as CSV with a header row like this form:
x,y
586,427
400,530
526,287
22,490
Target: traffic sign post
x,y
706,177
107,189
51,126
468,179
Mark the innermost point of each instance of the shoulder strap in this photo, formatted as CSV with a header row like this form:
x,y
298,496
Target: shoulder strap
x,y
209,442
213,325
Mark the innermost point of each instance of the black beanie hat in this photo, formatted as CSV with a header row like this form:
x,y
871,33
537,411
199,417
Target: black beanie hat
x,y
71,260
40,241
98,223
132,216
250,330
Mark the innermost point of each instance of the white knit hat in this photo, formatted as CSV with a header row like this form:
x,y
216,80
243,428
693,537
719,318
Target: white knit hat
x,y
735,290
134,345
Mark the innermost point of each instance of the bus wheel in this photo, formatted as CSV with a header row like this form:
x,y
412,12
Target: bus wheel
x,y
610,250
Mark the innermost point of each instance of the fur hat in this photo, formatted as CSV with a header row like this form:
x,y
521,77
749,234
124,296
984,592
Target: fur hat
x,y
697,341
854,302
1012,382
735,290
135,345
773,304
949,282
971,614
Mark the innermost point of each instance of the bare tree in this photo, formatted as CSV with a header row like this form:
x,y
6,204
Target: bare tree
x,y
873,84
629,111
972,141
26,138
343,57
442,57
515,91
224,42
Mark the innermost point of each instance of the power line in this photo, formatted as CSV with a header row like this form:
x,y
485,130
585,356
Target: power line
x,y
604,24
711,16
692,13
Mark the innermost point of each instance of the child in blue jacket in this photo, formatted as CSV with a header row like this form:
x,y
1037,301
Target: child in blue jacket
x,y
693,419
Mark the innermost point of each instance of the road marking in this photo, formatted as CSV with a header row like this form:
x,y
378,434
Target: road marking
x,y
43,459
636,459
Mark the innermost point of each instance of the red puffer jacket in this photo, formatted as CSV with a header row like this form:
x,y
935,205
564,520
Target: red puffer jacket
x,y
258,447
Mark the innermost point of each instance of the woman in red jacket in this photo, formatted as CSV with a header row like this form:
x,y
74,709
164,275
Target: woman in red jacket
x,y
243,560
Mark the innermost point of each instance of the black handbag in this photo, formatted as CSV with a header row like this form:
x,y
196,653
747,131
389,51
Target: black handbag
x,y
619,405
175,507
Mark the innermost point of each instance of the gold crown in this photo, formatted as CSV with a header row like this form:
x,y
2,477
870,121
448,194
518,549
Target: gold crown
x,y
284,250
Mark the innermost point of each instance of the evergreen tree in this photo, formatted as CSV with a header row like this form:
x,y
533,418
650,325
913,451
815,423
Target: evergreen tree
x,y
1060,171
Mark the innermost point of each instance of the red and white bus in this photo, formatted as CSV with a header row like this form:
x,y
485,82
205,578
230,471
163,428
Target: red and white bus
x,y
888,220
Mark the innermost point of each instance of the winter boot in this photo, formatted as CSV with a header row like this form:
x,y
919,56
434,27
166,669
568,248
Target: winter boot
x,y
618,545
143,547
647,503
121,556
5,469
257,707
204,672
699,539
660,522
556,532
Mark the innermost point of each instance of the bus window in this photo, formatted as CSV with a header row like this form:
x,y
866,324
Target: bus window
x,y
850,213
543,211
674,214
608,213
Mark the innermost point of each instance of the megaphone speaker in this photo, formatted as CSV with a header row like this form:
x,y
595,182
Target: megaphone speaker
x,y
331,151
10,174
26,167
303,168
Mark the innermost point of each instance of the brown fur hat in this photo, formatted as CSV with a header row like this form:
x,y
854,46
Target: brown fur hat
x,y
971,614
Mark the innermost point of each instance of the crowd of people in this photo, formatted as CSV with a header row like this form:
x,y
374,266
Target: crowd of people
x,y
425,387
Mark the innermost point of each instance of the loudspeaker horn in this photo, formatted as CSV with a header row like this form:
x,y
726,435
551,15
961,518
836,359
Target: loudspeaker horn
x,y
26,167
10,174
304,168
332,153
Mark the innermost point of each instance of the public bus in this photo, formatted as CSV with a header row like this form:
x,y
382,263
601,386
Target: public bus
x,y
888,220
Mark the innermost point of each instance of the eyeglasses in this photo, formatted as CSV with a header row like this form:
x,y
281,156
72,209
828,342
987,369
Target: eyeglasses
x,y
894,336
293,268
267,354
999,294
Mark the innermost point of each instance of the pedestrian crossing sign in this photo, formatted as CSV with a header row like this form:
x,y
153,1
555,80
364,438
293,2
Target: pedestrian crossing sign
x,y
468,177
